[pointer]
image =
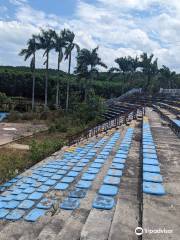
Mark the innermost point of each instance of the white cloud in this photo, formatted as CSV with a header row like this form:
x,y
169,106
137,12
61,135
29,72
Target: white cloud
x,y
18,2
119,27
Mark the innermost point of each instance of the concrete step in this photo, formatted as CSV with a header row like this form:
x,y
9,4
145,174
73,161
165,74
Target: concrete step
x,y
163,212
77,218
102,224
126,216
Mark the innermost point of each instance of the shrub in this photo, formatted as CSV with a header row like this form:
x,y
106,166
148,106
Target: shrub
x,y
4,98
11,163
38,151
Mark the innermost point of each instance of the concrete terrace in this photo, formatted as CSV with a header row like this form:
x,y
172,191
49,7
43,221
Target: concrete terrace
x,y
98,189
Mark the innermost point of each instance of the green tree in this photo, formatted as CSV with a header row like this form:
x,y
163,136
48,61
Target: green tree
x,y
45,42
149,67
87,63
59,45
69,37
126,65
167,77
28,52
133,65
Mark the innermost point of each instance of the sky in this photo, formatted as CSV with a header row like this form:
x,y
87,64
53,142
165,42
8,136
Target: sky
x,y
118,27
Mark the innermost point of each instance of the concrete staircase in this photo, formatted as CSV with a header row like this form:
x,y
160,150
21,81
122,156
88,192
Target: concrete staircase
x,y
101,207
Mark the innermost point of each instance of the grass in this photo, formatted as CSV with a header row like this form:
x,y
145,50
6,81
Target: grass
x,y
15,161
61,127
12,162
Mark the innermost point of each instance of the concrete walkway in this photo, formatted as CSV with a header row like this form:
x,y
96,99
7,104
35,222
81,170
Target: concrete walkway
x,y
163,213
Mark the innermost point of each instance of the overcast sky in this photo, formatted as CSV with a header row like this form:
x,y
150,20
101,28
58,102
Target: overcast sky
x,y
119,27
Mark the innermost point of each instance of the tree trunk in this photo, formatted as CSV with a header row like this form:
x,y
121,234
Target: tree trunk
x,y
57,87
33,85
148,82
46,81
124,80
86,90
33,91
67,96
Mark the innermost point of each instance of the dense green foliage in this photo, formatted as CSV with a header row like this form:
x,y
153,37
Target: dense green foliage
x,y
38,151
17,81
4,98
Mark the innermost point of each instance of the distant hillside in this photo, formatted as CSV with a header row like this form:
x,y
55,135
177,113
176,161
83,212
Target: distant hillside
x,y
17,81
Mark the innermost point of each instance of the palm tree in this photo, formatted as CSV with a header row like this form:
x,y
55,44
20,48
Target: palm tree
x,y
125,65
28,52
133,65
167,77
87,62
45,42
149,67
59,45
69,37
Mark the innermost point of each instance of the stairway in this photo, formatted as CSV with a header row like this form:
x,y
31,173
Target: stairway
x,y
94,189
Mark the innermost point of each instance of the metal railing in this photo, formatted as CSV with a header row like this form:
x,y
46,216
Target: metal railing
x,y
172,124
106,125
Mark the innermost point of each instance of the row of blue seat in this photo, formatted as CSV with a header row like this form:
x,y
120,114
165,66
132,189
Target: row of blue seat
x,y
85,183
177,122
25,195
152,179
111,183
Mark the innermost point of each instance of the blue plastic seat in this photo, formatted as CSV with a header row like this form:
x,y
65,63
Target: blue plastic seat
x,y
88,176
45,203
34,214
61,186
70,203
118,166
150,161
152,177
3,213
84,184
103,202
111,180
16,214
78,193
108,190
114,172
151,168
149,155
26,204
67,179
153,188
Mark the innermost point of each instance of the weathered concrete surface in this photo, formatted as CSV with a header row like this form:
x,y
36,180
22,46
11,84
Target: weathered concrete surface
x,y
18,130
119,223
125,220
63,224
97,225
164,212
126,215
18,146
79,225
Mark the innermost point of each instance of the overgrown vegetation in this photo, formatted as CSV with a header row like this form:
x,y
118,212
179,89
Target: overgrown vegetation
x,y
16,81
4,98
61,126
13,162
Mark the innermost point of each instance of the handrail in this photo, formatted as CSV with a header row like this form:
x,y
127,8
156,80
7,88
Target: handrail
x,y
105,125
172,124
